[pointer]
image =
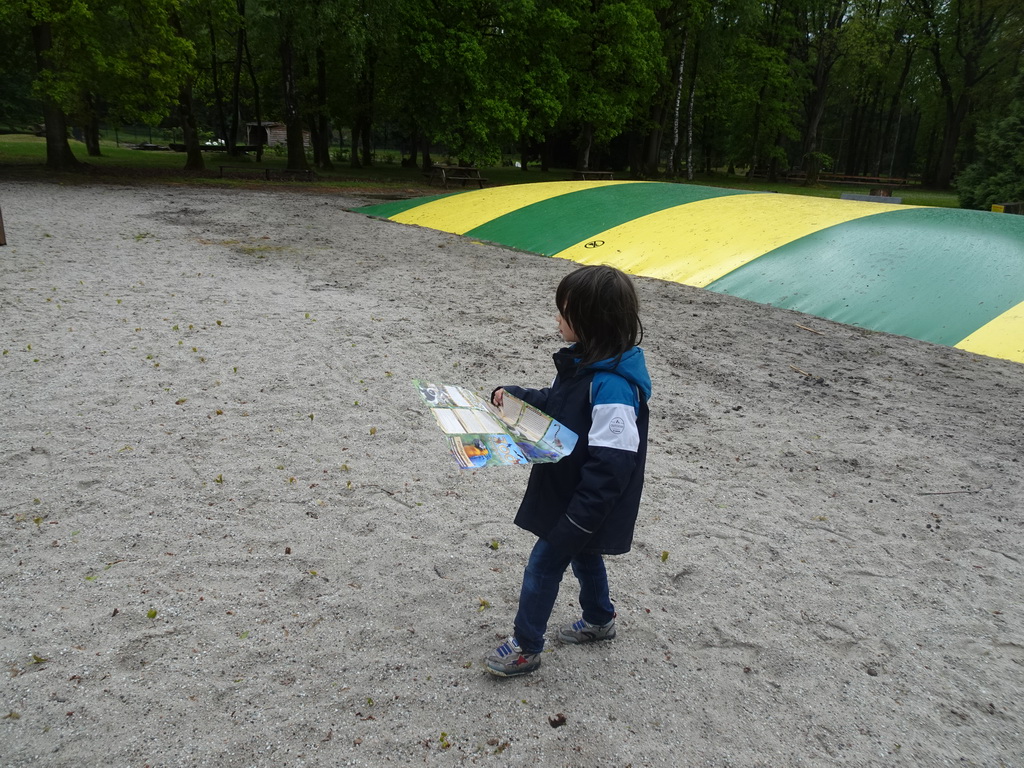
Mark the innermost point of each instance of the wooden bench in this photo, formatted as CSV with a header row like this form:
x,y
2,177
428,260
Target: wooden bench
x,y
217,147
871,198
593,175
883,184
306,174
781,174
269,174
242,170
446,173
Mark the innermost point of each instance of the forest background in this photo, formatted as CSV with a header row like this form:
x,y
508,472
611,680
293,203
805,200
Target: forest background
x,y
929,89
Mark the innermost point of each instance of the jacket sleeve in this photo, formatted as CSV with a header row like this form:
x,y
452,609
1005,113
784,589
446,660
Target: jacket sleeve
x,y
612,446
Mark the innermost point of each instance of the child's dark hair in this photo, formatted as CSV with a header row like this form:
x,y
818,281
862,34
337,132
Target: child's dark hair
x,y
600,305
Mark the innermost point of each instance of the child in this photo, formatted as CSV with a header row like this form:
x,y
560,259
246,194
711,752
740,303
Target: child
x,y
585,505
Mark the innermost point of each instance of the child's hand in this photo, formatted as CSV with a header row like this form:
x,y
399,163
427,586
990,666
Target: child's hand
x,y
498,397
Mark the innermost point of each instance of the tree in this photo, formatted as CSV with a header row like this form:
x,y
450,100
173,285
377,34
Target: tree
x,y
532,74
360,35
998,175
971,42
449,71
124,56
47,25
722,90
310,39
18,109
185,98
244,59
871,97
680,23
876,84
615,63
823,24
767,103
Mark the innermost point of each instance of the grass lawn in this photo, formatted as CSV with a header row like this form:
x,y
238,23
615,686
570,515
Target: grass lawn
x,y
24,156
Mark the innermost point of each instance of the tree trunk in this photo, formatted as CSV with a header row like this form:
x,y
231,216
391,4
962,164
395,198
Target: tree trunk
x,y
755,139
635,153
955,116
585,142
652,147
236,78
59,156
671,168
218,96
260,135
323,121
910,131
428,163
363,118
773,162
689,115
414,148
91,135
186,110
292,118
811,158
193,154
367,137
887,141
852,130
314,137
353,158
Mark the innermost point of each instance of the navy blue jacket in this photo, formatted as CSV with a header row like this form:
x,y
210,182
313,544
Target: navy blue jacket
x,y
589,500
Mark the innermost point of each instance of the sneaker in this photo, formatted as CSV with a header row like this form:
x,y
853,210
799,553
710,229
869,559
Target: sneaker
x,y
508,660
584,632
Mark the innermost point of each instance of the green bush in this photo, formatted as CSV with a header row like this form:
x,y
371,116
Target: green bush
x,y
998,175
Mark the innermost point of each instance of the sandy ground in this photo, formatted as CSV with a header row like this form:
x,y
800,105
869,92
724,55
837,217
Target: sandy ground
x,y
231,535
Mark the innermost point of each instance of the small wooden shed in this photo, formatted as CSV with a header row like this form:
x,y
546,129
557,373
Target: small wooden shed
x,y
273,134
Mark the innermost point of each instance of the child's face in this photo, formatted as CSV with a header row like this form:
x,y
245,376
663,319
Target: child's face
x,y
566,331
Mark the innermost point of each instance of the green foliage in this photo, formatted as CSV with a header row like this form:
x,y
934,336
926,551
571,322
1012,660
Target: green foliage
x,y
998,174
126,55
821,160
18,109
887,86
767,87
454,71
614,59
974,46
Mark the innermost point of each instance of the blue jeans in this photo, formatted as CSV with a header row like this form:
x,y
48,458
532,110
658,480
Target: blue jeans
x,y
543,575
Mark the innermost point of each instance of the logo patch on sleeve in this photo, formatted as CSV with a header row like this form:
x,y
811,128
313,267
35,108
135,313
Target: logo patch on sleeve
x,y
616,426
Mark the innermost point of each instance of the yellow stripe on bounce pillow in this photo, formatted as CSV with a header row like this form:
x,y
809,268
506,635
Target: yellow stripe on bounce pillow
x,y
1001,337
699,242
460,213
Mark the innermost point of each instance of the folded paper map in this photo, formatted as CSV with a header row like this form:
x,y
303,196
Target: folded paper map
x,y
480,434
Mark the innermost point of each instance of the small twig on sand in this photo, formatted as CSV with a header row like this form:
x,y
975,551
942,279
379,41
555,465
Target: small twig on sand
x,y
802,373
805,328
943,493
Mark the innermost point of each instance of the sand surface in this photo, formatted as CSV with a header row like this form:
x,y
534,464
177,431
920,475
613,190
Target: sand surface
x,y
231,535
